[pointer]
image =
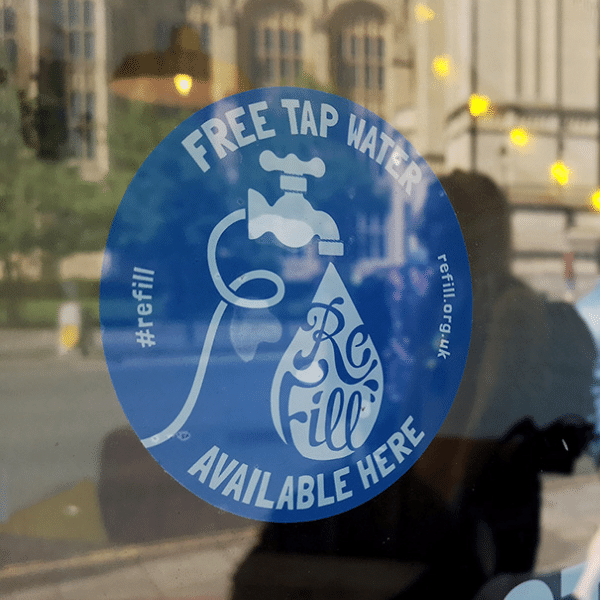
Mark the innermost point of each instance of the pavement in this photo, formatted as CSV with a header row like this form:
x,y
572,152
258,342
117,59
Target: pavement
x,y
199,568
37,343
202,568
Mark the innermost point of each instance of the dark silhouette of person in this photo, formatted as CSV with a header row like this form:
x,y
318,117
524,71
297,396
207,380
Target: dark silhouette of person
x,y
469,507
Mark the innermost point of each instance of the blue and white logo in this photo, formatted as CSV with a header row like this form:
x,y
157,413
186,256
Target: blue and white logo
x,y
286,304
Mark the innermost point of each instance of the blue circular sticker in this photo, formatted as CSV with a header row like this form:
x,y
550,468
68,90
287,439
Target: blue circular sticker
x,y
285,304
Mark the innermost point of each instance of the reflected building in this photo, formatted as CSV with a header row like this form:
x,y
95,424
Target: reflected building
x,y
416,64
536,63
57,53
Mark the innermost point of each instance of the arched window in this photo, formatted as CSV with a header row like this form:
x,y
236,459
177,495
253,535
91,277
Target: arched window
x,y
358,58
273,42
10,20
12,54
199,17
8,32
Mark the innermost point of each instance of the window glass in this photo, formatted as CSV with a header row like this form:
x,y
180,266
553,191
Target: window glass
x,y
12,54
75,44
10,20
88,13
57,12
74,7
89,44
500,99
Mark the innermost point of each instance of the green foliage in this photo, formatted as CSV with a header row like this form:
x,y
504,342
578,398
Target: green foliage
x,y
43,312
136,129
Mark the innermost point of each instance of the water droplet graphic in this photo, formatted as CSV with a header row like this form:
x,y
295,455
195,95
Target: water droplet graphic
x,y
328,386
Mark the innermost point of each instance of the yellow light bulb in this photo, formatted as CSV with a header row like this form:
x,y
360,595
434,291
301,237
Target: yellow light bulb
x,y
441,66
595,200
478,105
183,84
423,13
560,172
519,136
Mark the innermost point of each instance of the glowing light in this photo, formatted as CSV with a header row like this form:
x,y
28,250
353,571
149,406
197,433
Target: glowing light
x,y
478,105
519,136
441,66
183,84
423,13
69,336
595,200
560,172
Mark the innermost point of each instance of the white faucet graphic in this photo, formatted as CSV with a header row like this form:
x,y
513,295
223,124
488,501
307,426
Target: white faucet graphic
x,y
292,219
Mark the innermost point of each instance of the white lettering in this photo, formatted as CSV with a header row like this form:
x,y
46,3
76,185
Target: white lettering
x,y
388,142
262,501
354,135
236,483
394,160
367,471
307,120
409,432
306,498
411,175
329,118
258,120
369,142
340,484
232,117
396,444
291,105
287,494
216,132
381,461
196,152
204,464
219,476
323,500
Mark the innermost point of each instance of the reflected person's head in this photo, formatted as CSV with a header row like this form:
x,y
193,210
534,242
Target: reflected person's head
x,y
483,214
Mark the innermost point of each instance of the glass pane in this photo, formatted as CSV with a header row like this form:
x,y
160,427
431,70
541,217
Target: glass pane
x,y
90,143
284,40
269,70
57,12
88,13
477,508
380,47
74,44
75,106
73,13
205,36
268,33
58,44
10,20
353,46
12,54
75,143
90,106
297,42
89,45
162,35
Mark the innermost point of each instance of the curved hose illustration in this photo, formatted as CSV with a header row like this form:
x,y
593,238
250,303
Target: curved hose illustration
x,y
228,293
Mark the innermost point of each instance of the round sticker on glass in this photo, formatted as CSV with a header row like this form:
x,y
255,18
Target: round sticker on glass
x,y
285,304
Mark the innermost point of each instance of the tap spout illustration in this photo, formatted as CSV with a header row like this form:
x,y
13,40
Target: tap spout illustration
x,y
292,219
